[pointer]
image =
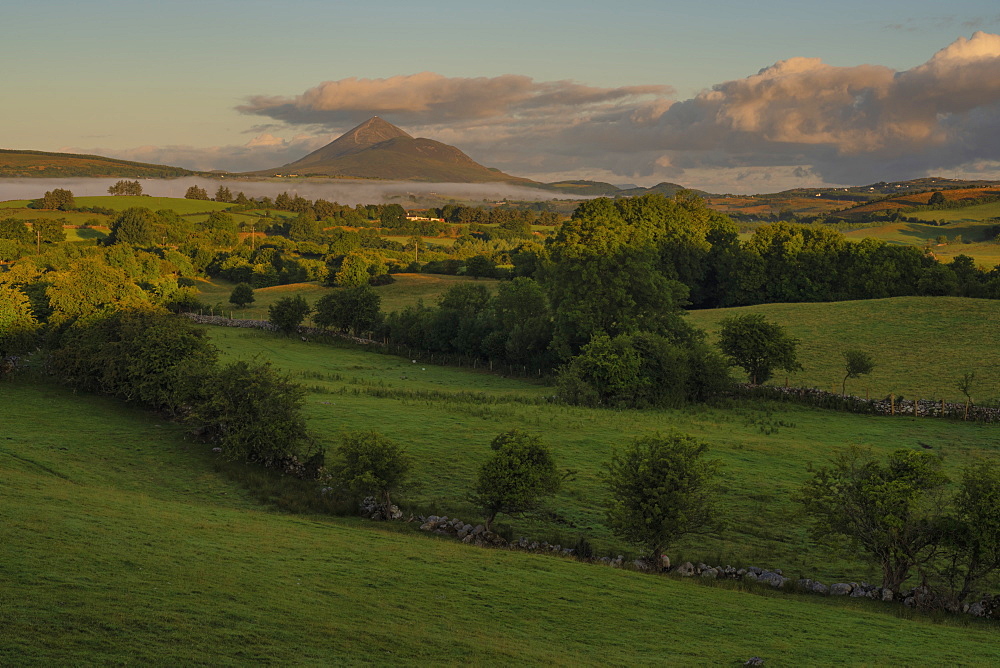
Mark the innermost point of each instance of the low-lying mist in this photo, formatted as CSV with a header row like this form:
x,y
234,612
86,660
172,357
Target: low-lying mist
x,y
343,191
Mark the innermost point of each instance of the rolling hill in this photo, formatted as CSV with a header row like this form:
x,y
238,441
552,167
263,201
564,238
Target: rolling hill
x,y
40,164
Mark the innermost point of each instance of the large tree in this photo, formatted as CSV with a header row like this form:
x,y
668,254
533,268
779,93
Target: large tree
x,y
758,346
288,313
890,510
516,478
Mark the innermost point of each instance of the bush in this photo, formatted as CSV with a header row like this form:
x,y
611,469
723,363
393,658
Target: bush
x,y
661,488
368,464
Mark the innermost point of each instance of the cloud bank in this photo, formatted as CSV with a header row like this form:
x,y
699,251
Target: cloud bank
x,y
799,121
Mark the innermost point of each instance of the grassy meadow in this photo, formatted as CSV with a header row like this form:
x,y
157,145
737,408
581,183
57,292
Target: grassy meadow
x,y
123,545
965,237
921,345
407,290
446,417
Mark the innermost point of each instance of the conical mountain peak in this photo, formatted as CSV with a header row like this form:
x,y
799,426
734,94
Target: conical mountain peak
x,y
371,132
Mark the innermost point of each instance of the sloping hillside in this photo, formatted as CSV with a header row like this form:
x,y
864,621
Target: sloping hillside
x,y
38,164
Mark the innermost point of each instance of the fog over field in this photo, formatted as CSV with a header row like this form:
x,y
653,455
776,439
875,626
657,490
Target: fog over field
x,y
346,191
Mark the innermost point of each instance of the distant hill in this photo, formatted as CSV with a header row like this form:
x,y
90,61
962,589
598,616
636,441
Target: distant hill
x,y
377,149
40,164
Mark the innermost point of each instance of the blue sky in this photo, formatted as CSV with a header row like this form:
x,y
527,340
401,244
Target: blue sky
x,y
164,80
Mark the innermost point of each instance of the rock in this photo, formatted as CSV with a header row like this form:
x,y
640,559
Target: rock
x,y
779,572
840,589
909,602
858,592
740,573
428,526
887,595
462,533
750,576
754,661
977,609
479,528
710,574
685,570
702,567
755,570
772,578
819,588
640,565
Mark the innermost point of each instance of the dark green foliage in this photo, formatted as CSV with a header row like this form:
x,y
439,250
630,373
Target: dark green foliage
x,y
758,346
356,310
288,313
516,478
642,370
223,194
48,231
368,464
661,489
972,531
133,226
480,266
146,356
890,511
194,192
16,230
937,197
857,363
254,414
126,188
57,198
242,295
18,326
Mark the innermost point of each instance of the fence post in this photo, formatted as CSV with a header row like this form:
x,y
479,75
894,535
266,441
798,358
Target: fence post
x,y
892,404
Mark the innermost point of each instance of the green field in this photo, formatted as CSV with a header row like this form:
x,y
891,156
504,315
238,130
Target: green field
x,y
178,204
921,345
985,252
406,291
447,416
123,546
967,214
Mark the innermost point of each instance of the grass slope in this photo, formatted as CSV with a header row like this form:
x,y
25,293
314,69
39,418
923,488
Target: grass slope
x,y
922,345
14,163
408,290
121,546
447,416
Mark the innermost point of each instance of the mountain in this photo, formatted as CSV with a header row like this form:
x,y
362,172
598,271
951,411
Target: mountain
x,y
41,164
377,149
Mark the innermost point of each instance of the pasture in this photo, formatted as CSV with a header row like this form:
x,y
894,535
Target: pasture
x,y
921,345
123,545
446,417
408,290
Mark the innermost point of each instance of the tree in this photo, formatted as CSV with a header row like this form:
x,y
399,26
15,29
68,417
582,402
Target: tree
x,y
368,464
480,265
758,346
288,313
133,226
223,194
351,309
857,363
972,532
354,271
57,198
242,295
48,231
516,478
891,511
194,192
126,188
254,413
17,230
18,325
661,489
937,197
965,385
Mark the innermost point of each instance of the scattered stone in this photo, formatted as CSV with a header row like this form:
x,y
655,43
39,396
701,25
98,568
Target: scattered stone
x,y
754,661
840,589
887,594
772,578
710,574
